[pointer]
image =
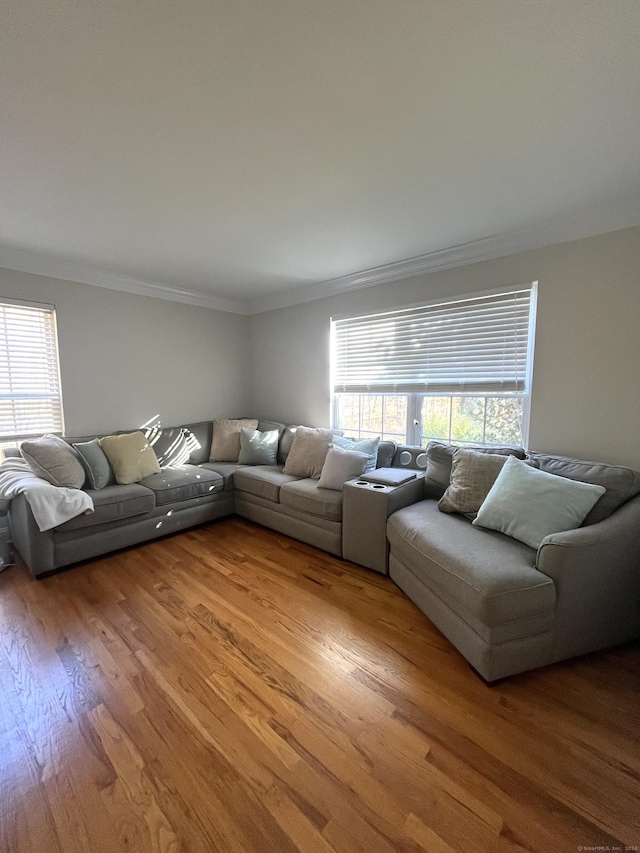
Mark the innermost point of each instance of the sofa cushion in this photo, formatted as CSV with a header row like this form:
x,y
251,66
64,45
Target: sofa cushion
x,y
341,466
183,483
172,446
225,469
386,452
262,480
258,447
114,503
286,440
202,432
131,456
96,464
308,452
621,483
440,459
530,505
52,459
225,444
368,446
305,496
472,476
484,574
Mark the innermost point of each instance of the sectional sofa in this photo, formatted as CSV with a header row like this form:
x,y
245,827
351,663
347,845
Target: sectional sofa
x,y
506,607
180,497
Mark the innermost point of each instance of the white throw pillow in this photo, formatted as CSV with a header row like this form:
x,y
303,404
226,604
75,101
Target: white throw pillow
x,y
529,504
362,445
340,466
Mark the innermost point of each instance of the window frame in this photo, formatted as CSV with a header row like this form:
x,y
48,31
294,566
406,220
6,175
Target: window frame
x,y
415,399
58,428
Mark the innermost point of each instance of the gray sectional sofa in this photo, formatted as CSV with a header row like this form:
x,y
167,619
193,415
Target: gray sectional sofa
x,y
509,608
505,606
183,496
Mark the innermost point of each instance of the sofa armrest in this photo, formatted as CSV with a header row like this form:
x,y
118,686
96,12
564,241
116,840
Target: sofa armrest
x,y
596,573
35,547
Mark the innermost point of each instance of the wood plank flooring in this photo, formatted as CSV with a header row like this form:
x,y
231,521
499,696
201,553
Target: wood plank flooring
x,y
230,689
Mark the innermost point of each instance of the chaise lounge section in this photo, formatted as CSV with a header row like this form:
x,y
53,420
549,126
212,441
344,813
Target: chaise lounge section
x,y
508,607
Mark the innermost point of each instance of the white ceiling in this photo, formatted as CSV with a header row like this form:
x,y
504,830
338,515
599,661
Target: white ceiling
x,y
248,152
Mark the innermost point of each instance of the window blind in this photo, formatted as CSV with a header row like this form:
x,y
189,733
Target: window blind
x,y
30,400
476,345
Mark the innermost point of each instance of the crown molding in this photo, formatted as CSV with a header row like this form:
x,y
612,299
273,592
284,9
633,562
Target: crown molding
x,y
47,265
605,218
589,224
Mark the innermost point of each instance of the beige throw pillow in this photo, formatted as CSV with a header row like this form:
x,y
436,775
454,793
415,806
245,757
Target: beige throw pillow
x,y
51,458
308,452
131,457
225,444
472,476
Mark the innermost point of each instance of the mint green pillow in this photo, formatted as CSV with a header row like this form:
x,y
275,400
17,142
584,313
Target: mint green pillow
x,y
258,448
362,445
528,504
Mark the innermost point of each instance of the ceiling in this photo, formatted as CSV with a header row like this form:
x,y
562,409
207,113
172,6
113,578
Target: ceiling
x,y
251,153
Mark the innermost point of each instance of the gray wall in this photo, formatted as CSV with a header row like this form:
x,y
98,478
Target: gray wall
x,y
586,392
126,358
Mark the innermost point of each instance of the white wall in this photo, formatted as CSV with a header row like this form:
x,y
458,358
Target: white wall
x,y
586,386
126,358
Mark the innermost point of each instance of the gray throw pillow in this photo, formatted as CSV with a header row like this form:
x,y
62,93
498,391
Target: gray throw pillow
x,y
97,467
258,448
472,476
51,458
529,504
440,458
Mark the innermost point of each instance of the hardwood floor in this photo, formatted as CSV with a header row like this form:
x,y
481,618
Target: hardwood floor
x,y
230,689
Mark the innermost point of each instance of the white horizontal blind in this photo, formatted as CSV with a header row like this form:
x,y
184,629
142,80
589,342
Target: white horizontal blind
x,y
474,345
30,400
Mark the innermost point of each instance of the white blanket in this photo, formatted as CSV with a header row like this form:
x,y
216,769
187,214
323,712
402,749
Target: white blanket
x,y
51,505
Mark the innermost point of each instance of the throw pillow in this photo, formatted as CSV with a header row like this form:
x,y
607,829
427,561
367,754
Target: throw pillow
x,y
529,504
96,464
258,448
225,444
308,452
52,459
131,457
440,458
472,475
364,445
341,465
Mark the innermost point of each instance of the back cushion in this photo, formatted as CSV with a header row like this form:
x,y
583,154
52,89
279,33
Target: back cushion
x,y
386,452
621,484
203,433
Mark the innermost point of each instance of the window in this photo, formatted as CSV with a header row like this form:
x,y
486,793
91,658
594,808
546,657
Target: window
x,y
30,399
456,371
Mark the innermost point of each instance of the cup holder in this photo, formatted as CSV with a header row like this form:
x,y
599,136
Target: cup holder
x,y
361,483
378,486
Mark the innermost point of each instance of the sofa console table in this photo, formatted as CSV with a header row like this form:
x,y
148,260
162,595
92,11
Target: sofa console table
x,y
365,509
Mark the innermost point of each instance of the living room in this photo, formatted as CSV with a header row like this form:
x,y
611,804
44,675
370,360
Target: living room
x,y
152,702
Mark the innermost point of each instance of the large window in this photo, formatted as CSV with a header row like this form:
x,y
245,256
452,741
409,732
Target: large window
x,y
30,399
456,371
